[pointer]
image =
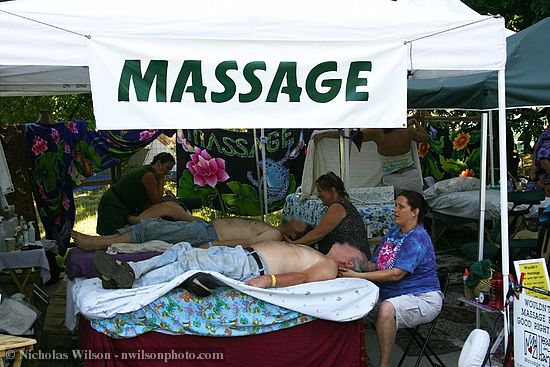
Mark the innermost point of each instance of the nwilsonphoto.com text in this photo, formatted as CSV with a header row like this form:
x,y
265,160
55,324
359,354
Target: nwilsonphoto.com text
x,y
138,354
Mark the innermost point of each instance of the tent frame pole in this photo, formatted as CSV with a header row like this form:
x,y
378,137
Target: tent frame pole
x,y
503,171
491,149
347,156
342,151
263,141
260,189
482,196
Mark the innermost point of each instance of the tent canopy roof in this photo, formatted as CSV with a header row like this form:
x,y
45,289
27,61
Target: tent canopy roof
x,y
527,78
28,43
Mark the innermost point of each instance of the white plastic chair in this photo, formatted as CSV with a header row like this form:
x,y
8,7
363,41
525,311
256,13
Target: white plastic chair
x,y
475,349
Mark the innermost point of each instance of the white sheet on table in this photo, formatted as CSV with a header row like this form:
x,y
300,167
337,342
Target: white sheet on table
x,y
324,156
70,307
341,299
466,204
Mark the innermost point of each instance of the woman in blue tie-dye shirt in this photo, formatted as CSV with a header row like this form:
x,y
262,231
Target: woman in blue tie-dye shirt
x,y
404,268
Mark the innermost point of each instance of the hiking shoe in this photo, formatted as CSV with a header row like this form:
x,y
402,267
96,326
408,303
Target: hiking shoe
x,y
114,274
200,284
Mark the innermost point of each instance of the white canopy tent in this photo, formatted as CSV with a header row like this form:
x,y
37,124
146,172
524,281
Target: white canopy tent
x,y
43,43
27,43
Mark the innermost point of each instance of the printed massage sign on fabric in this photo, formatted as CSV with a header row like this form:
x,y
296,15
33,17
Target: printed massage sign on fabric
x,y
220,167
175,83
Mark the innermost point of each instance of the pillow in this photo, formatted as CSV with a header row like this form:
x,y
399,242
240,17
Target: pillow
x,y
455,184
474,349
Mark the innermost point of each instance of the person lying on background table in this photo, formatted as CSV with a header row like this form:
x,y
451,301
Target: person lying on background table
x,y
229,231
404,267
341,223
137,195
265,265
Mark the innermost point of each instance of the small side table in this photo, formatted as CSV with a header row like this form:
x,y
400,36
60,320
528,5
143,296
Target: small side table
x,y
20,264
488,309
13,347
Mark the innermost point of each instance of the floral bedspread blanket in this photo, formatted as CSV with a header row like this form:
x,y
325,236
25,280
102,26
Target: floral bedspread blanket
x,y
228,312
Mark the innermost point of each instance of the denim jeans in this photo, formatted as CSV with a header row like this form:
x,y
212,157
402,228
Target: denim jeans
x,y
195,232
233,262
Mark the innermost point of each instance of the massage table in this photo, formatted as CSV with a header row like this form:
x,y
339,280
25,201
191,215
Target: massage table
x,y
245,329
315,343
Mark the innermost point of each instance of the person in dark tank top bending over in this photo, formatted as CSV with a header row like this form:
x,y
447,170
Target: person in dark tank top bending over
x,y
341,223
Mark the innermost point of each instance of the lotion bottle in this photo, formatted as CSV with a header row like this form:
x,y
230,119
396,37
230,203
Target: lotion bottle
x,y
32,232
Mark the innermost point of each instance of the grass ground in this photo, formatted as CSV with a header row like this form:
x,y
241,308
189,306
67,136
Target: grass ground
x,y
86,210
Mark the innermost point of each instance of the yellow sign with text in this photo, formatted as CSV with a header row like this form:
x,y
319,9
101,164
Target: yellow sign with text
x,y
535,276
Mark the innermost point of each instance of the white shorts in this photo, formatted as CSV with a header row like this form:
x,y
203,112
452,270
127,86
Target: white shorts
x,y
412,310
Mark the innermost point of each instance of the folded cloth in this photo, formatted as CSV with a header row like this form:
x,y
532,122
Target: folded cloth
x,y
132,248
16,316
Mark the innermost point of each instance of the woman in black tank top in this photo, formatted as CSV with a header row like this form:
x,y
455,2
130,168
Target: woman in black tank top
x,y
341,222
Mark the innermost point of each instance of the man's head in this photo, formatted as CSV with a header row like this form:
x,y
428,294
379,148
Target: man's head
x,y
294,228
348,256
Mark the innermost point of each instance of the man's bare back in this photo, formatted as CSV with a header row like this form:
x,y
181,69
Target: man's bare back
x,y
231,229
393,142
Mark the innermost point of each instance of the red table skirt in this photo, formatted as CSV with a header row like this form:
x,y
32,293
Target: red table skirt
x,y
316,343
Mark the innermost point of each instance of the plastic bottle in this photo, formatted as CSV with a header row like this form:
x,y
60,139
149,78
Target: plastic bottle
x,y
32,232
21,221
496,292
466,275
25,231
467,291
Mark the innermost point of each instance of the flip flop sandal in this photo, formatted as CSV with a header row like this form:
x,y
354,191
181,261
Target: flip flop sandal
x,y
200,284
113,273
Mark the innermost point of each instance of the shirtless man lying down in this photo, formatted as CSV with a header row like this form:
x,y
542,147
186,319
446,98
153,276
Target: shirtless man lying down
x,y
226,231
265,265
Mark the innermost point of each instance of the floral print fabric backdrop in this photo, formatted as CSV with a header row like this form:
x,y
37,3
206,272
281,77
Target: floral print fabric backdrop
x,y
219,167
450,153
61,153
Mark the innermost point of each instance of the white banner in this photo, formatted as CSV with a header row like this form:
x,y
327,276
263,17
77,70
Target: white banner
x,y
531,332
146,83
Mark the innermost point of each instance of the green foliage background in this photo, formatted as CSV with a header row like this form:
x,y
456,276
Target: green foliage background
x,y
19,110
